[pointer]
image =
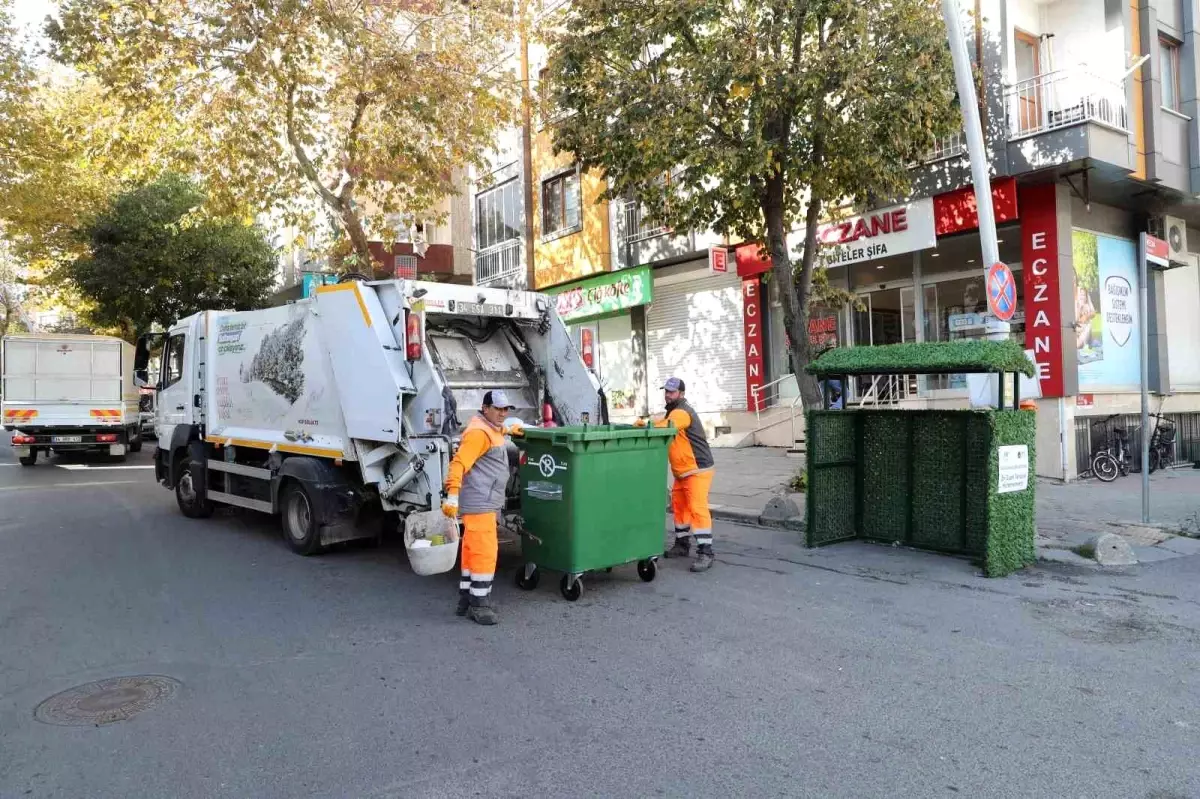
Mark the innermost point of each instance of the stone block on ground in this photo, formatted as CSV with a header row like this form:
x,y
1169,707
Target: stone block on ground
x,y
1108,549
779,509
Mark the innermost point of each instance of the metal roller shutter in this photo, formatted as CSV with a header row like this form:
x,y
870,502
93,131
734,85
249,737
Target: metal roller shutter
x,y
694,331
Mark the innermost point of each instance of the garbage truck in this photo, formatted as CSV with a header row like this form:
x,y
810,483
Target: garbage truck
x,y
69,392
347,406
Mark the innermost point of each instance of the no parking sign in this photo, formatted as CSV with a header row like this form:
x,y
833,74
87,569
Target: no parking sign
x,y
1001,292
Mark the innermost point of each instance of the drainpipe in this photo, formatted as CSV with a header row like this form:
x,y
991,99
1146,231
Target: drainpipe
x,y
527,146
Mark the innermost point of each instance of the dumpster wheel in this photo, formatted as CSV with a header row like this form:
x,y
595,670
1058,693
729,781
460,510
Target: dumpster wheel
x,y
571,587
528,577
647,569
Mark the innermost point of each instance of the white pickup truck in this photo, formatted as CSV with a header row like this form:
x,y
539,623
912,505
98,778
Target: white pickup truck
x,y
64,392
351,401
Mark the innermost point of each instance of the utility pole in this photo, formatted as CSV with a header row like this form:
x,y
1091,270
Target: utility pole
x,y
1144,357
527,146
976,151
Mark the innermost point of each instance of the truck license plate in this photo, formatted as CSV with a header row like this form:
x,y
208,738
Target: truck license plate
x,y
479,309
66,439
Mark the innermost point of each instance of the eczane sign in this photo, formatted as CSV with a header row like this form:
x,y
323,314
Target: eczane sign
x,y
879,234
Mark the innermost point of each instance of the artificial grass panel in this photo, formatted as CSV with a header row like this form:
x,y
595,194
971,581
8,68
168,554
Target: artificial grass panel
x,y
925,357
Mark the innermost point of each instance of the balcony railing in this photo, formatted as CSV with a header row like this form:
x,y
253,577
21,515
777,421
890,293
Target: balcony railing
x,y
499,263
947,147
637,226
1062,98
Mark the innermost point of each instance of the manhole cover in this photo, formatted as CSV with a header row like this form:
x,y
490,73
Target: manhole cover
x,y
106,701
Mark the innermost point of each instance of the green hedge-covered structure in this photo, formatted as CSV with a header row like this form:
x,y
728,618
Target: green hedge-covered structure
x,y
924,478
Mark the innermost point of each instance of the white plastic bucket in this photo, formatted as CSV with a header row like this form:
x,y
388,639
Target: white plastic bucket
x,y
427,560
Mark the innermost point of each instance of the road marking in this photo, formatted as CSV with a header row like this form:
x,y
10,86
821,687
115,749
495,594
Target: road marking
x,y
75,467
73,485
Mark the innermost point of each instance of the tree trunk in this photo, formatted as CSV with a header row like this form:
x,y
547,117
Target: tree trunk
x,y
358,238
794,292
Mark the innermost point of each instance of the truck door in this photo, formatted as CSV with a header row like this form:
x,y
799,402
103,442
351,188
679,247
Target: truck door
x,y
175,385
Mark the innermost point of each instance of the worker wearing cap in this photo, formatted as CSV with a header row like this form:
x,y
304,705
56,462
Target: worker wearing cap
x,y
476,488
692,465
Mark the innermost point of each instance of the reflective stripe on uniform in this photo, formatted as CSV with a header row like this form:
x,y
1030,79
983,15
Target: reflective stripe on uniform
x,y
481,587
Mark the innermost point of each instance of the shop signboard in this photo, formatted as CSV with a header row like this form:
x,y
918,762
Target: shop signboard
x,y
879,234
608,294
718,260
1043,314
1106,310
753,338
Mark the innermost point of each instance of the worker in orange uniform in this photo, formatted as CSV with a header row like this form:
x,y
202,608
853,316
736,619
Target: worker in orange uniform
x,y
476,488
692,465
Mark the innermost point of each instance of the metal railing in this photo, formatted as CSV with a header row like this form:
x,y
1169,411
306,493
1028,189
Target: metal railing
x,y
637,226
768,394
887,390
1087,438
947,147
1062,98
498,263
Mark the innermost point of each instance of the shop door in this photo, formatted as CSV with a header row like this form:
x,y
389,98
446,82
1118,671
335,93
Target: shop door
x,y
887,317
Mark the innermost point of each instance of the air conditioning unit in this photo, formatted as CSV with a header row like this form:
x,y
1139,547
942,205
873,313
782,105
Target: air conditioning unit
x,y
1173,231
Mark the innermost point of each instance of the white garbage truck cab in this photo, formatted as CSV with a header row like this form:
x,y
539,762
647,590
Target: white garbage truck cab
x,y
350,402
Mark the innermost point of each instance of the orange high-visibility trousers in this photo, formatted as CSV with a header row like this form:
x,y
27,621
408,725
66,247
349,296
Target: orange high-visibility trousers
x,y
480,547
689,504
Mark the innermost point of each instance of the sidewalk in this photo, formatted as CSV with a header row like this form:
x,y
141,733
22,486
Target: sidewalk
x,y
748,479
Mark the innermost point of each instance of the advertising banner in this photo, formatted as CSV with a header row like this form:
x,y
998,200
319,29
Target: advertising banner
x,y
1106,310
611,292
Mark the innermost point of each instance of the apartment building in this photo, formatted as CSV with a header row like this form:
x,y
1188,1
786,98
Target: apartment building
x,y
1090,116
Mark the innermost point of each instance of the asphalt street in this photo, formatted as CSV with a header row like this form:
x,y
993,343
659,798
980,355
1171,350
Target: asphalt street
x,y
851,671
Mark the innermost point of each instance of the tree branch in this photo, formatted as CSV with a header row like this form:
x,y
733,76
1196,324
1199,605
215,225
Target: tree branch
x,y
306,165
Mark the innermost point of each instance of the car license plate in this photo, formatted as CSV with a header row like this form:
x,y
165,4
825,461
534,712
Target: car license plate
x,y
66,439
479,309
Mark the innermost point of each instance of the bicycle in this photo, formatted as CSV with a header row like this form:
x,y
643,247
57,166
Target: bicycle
x,y
1162,444
1112,459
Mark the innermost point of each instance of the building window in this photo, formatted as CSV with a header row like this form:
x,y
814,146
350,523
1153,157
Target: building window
x,y
1168,64
560,203
498,215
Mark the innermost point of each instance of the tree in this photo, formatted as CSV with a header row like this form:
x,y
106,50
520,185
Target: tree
x,y
372,106
768,116
152,259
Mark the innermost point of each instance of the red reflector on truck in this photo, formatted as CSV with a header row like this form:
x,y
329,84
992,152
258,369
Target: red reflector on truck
x,y
106,438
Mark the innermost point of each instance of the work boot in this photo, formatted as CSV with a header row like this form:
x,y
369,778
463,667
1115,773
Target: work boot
x,y
464,602
481,611
704,558
682,548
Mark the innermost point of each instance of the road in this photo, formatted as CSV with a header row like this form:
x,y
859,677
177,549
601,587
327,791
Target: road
x,y
852,671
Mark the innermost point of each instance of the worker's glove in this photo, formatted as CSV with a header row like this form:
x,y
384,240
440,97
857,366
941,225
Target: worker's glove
x,y
639,422
450,506
514,427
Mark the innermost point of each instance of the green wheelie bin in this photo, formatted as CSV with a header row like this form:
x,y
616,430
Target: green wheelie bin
x,y
592,497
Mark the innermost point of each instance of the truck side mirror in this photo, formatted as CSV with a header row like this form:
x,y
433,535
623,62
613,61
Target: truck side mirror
x,y
141,357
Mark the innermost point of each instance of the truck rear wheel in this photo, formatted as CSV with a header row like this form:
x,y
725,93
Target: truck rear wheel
x,y
300,527
30,459
190,491
135,439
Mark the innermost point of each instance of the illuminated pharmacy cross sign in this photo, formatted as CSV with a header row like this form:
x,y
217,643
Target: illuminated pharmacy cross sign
x,y
1001,292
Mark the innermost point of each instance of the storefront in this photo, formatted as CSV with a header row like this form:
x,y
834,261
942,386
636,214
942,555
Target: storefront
x,y
604,315
695,330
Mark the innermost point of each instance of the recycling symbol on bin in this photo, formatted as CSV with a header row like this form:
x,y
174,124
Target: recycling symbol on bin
x,y
548,466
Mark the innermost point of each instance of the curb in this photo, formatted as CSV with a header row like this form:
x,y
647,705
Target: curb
x,y
753,519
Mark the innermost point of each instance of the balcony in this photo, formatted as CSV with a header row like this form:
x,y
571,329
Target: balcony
x,y
637,226
500,264
950,146
1064,98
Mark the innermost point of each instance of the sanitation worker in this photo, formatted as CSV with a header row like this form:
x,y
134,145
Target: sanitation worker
x,y
475,488
692,465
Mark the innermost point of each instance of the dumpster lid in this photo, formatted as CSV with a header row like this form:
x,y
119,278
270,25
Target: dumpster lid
x,y
596,432
927,358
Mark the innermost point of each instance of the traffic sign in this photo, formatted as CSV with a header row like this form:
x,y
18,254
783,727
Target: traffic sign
x,y
1001,292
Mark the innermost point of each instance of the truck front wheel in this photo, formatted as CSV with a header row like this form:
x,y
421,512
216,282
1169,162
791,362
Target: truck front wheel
x,y
300,526
189,491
